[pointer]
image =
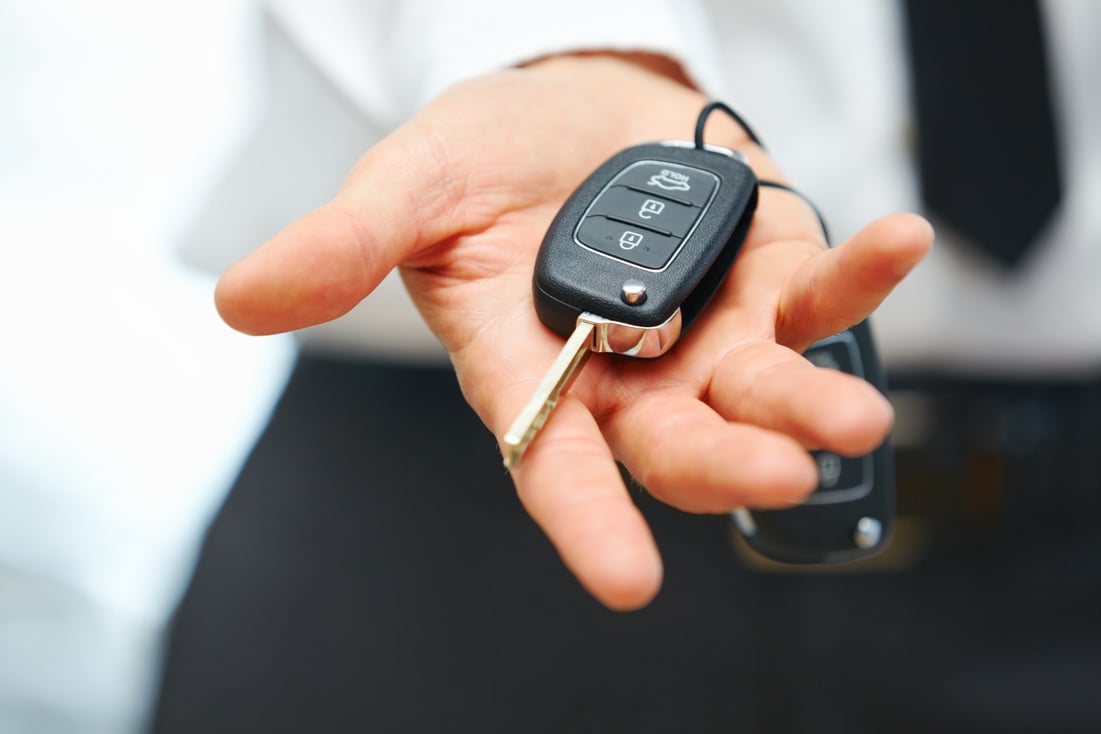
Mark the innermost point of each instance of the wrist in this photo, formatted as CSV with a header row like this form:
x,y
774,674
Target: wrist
x,y
653,96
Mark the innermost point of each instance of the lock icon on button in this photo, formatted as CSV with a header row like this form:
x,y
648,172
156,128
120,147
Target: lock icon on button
x,y
650,208
630,240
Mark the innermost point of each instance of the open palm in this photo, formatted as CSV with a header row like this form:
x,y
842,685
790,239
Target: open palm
x,y
460,197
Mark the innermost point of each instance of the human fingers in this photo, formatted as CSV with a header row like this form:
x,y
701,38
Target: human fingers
x,y
773,387
838,288
403,194
689,457
567,479
570,485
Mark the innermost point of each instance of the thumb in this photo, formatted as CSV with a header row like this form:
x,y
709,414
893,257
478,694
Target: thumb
x,y
400,198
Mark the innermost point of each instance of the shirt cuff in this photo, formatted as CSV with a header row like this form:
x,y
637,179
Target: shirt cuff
x,y
393,58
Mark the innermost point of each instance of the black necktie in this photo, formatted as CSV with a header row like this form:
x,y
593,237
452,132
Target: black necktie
x,y
986,133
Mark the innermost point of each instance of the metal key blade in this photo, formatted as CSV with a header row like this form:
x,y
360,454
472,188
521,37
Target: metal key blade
x,y
561,373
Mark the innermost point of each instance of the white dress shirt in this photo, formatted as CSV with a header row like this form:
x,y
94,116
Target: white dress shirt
x,y
825,84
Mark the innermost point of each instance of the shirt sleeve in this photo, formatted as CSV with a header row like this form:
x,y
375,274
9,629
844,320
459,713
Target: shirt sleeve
x,y
391,58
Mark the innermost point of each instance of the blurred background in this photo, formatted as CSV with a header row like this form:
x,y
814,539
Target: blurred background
x,y
126,406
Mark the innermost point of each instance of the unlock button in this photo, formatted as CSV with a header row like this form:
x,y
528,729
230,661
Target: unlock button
x,y
636,245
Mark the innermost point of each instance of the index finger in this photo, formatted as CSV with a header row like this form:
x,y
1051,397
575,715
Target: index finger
x,y
402,195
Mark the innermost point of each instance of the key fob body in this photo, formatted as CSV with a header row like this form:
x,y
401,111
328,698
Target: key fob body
x,y
849,515
666,219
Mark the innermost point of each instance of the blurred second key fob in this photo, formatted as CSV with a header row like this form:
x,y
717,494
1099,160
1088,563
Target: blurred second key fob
x,y
849,515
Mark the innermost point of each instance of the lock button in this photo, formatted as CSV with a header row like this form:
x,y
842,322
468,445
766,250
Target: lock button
x,y
647,210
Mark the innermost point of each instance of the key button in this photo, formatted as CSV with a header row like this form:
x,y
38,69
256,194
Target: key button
x,y
648,210
636,245
669,180
839,473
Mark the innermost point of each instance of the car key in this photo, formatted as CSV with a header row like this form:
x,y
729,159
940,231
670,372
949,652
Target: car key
x,y
632,258
849,515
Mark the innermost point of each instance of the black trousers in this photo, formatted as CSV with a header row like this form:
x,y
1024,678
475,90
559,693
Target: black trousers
x,y
372,571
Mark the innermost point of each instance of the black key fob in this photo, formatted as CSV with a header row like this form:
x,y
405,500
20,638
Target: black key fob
x,y
632,258
644,242
849,515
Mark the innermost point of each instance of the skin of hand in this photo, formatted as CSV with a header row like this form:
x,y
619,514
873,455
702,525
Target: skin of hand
x,y
459,199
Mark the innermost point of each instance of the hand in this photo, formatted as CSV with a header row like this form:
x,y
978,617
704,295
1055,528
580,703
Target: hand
x,y
459,198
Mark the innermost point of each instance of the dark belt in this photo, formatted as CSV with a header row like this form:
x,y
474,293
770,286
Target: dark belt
x,y
994,461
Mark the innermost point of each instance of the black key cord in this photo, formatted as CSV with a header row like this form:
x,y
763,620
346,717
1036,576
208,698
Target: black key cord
x,y
701,122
